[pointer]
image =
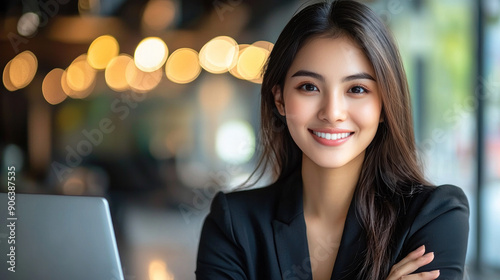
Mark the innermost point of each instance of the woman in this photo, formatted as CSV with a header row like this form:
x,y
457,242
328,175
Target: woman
x,y
350,200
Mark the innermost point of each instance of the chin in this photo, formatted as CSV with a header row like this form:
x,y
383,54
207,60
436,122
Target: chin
x,y
327,160
328,163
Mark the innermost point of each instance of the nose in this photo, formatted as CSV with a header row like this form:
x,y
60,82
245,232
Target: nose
x,y
333,108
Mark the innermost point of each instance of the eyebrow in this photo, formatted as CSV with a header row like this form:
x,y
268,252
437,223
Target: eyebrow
x,y
357,76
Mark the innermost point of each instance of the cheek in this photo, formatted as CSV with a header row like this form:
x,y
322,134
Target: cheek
x,y
298,109
367,114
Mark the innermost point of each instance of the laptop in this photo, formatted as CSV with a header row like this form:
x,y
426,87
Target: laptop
x,y
57,237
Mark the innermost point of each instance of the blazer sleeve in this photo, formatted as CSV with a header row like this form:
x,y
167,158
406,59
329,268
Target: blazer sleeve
x,y
442,225
219,255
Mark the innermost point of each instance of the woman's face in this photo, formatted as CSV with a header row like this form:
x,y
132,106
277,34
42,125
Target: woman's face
x,y
331,101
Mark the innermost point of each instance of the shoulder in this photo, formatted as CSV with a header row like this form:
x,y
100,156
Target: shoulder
x,y
432,202
446,197
434,216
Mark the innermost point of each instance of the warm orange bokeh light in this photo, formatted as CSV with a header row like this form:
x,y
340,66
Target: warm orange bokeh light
x,y
101,51
6,78
115,72
182,66
73,93
80,75
234,70
51,87
251,61
219,55
78,80
140,81
158,271
22,69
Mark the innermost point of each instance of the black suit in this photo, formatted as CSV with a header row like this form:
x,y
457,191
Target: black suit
x,y
261,234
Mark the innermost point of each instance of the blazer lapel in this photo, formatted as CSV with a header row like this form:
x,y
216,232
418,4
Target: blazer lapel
x,y
290,235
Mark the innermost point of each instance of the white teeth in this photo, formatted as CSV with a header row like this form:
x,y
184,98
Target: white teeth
x,y
331,136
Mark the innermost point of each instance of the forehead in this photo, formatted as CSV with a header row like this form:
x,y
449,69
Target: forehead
x,y
331,57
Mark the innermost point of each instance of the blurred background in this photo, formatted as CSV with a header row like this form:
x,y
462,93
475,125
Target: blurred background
x,y
154,104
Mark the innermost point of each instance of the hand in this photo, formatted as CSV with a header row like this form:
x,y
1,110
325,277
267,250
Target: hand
x,y
412,262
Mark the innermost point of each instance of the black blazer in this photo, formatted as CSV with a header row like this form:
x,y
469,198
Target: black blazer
x,y
261,234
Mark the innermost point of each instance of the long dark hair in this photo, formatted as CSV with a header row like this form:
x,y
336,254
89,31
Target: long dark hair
x,y
390,170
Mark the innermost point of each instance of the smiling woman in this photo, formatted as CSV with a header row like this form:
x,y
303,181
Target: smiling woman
x,y
350,200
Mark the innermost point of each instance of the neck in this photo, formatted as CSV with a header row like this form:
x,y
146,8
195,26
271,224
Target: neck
x,y
328,192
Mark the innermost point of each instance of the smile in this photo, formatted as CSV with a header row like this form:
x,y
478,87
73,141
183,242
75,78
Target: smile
x,y
331,136
331,139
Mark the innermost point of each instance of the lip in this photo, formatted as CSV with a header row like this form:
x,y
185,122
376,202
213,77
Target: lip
x,y
331,142
331,130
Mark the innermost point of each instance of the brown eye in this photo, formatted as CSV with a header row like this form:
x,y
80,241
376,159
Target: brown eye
x,y
358,90
309,87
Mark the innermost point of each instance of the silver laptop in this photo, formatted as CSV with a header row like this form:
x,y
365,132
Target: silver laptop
x,y
57,237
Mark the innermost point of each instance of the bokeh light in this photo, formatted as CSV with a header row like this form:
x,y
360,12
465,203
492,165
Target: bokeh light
x,y
74,93
158,14
251,61
182,66
101,51
115,72
235,142
267,47
158,271
140,81
28,24
78,80
6,78
22,69
80,75
234,71
51,87
219,55
150,54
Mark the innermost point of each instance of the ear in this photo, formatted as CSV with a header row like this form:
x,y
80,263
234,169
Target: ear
x,y
278,99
